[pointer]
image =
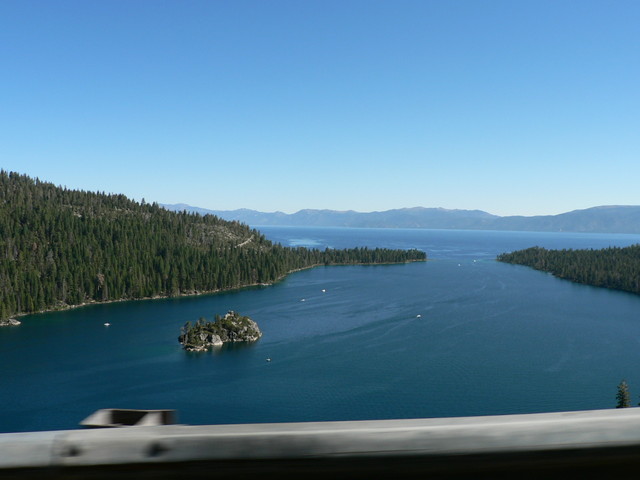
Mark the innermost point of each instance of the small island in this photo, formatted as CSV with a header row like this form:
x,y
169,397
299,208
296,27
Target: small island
x,y
204,335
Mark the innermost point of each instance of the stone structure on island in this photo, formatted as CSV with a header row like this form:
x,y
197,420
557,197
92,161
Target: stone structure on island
x,y
204,335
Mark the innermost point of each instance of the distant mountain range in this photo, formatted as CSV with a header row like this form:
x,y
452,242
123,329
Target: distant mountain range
x,y
603,219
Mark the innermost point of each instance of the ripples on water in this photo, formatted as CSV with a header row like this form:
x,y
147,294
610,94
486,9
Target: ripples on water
x,y
458,335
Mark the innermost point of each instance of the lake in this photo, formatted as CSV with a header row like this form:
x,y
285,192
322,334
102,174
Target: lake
x,y
458,335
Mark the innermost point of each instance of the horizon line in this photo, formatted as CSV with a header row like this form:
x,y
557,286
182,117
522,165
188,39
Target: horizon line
x,y
175,205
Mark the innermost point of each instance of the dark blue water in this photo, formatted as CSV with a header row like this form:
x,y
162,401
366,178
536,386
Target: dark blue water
x,y
459,335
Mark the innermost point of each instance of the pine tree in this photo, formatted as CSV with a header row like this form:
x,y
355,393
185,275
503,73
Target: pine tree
x,y
622,396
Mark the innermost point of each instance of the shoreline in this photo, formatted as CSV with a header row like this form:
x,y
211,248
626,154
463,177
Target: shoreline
x,y
10,322
63,308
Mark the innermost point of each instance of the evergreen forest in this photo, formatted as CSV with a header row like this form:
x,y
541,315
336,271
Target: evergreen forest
x,y
61,248
614,267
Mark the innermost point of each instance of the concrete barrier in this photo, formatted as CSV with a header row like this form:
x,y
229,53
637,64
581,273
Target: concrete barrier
x,y
603,442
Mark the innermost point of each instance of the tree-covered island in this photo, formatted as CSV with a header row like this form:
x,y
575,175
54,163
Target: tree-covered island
x,y
204,335
61,248
617,268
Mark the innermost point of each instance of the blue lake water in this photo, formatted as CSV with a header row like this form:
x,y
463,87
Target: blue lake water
x,y
458,335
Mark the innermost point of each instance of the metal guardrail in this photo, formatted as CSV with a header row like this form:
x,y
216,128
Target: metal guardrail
x,y
548,445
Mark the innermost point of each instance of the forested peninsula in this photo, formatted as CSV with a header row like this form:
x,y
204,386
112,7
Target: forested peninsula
x,y
617,268
61,248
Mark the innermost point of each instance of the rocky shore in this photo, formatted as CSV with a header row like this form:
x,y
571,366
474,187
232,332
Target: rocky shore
x,y
10,322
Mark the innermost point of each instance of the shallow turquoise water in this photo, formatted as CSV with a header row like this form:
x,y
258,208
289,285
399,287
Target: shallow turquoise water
x,y
458,335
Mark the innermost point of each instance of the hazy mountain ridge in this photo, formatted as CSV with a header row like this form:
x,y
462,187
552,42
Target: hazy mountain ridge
x,y
601,219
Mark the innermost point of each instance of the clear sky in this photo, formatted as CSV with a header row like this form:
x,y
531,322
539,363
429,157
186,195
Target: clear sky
x,y
512,107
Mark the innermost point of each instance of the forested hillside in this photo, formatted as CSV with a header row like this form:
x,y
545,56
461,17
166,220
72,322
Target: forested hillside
x,y
61,247
614,267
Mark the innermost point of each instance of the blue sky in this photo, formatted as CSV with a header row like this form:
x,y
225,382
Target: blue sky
x,y
512,107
